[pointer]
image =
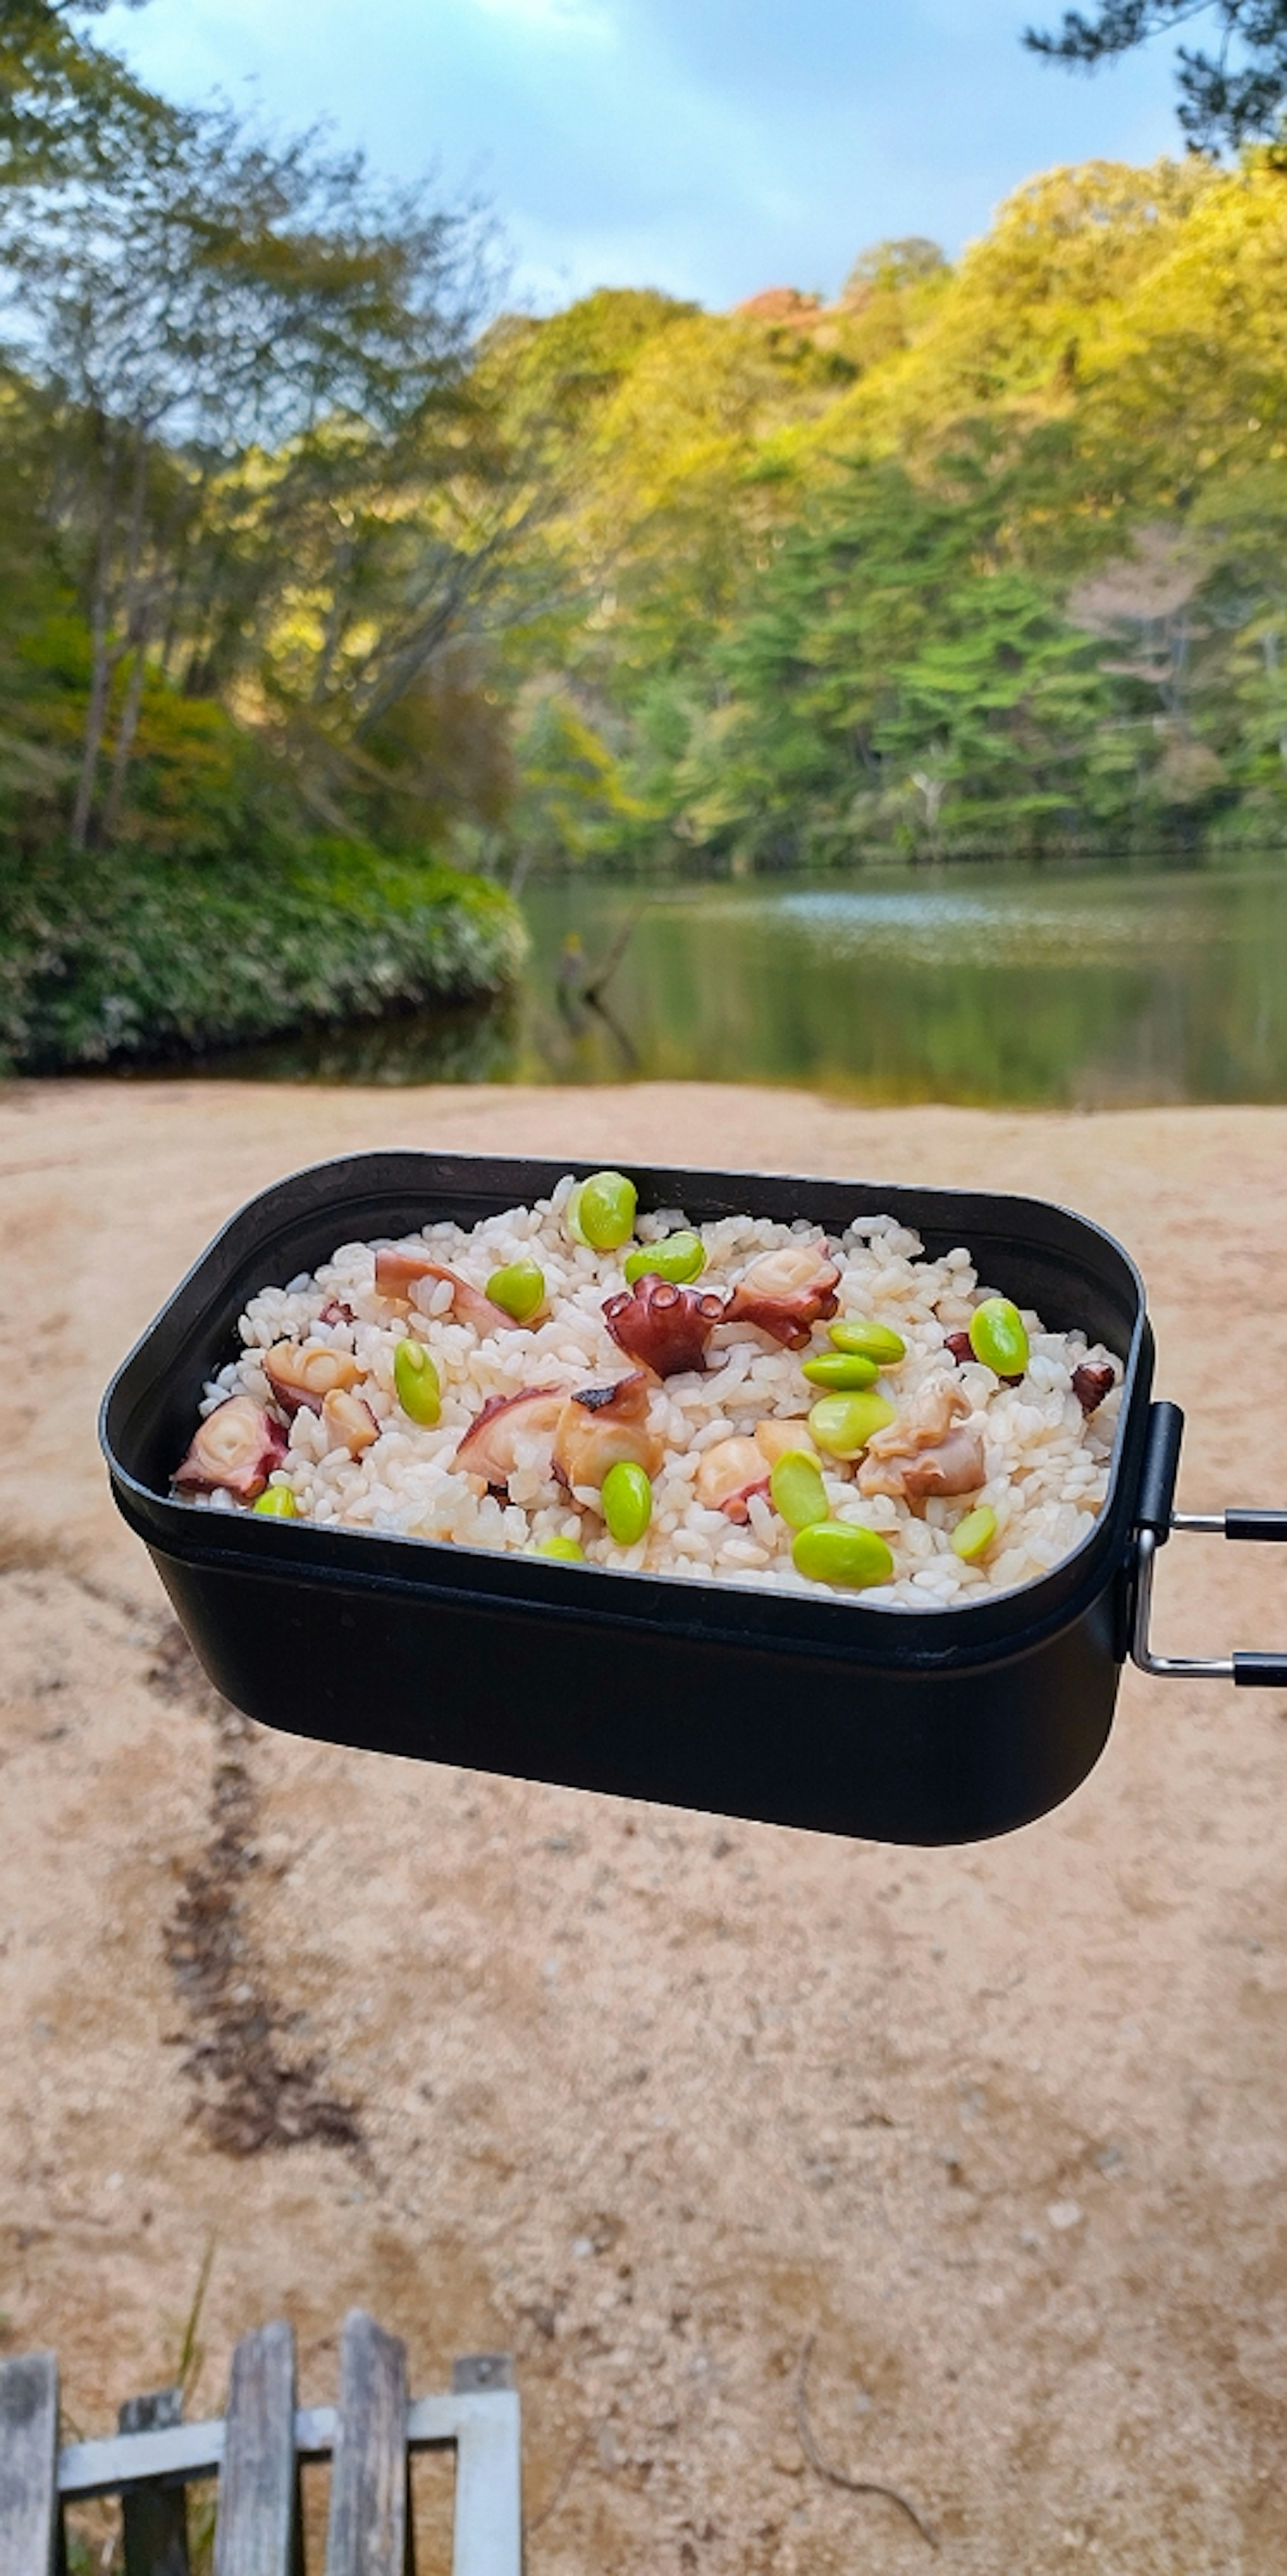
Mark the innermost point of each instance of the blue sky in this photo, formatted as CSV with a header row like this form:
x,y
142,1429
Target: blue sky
x,y
712,147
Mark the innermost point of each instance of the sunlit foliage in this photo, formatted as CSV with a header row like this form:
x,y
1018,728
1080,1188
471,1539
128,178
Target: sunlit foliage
x,y
298,537
984,558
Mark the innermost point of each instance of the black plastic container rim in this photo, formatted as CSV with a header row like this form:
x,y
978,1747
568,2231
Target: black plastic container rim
x,y
973,1633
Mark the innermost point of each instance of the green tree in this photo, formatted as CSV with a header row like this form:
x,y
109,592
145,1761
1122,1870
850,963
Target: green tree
x,y
255,366
1226,98
893,264
891,676
68,107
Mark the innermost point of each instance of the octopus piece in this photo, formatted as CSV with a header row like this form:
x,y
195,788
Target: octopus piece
x,y
1091,1383
599,1425
335,1311
953,1466
399,1273
774,1439
928,1450
933,1410
729,1473
664,1327
305,1378
237,1447
786,1293
348,1422
487,1448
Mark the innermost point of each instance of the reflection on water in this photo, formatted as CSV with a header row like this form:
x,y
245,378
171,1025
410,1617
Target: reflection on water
x,y
954,929
992,984
459,1044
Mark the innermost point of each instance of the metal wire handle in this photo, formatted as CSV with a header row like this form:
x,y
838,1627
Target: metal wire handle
x,y
1156,1522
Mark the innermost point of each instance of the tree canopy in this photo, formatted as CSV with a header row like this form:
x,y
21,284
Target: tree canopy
x,y
1227,98
256,478
980,558
68,107
300,536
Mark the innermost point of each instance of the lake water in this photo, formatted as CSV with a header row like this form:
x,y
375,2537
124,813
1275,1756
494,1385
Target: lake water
x,y
985,983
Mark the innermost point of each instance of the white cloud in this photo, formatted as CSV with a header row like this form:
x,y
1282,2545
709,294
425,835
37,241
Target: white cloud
x,y
708,146
574,20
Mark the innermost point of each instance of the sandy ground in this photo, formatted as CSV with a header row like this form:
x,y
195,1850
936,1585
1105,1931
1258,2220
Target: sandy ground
x,y
649,2099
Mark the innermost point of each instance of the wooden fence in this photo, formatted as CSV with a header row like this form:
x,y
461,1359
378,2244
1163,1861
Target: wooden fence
x,y
256,2451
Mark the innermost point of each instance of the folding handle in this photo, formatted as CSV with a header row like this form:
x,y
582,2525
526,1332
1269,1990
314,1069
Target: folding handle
x,y
1160,1469
1246,1524
1155,1521
1261,1672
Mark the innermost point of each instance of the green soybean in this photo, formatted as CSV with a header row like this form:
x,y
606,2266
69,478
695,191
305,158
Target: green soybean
x,y
973,1536
998,1338
416,1381
842,1371
627,1502
838,1552
519,1289
601,1211
843,1424
278,1503
878,1342
679,1259
797,1489
568,1551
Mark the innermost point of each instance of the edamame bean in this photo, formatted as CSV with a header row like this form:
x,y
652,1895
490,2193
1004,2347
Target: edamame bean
x,y
415,1379
878,1342
797,1489
998,1338
841,1370
627,1502
681,1258
601,1211
843,1424
839,1552
568,1551
277,1503
519,1289
973,1536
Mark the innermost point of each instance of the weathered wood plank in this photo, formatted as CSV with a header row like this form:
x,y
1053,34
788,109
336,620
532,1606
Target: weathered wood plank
x,y
154,2520
258,2450
116,2465
488,2536
257,2527
30,2522
368,2533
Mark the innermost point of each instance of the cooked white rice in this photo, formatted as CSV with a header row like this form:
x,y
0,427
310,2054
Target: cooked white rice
x,y
1047,1465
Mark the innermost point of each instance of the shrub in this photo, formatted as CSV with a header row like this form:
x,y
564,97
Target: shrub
x,y
138,956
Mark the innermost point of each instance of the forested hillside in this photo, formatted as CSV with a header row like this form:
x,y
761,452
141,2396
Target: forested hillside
x,y
985,558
